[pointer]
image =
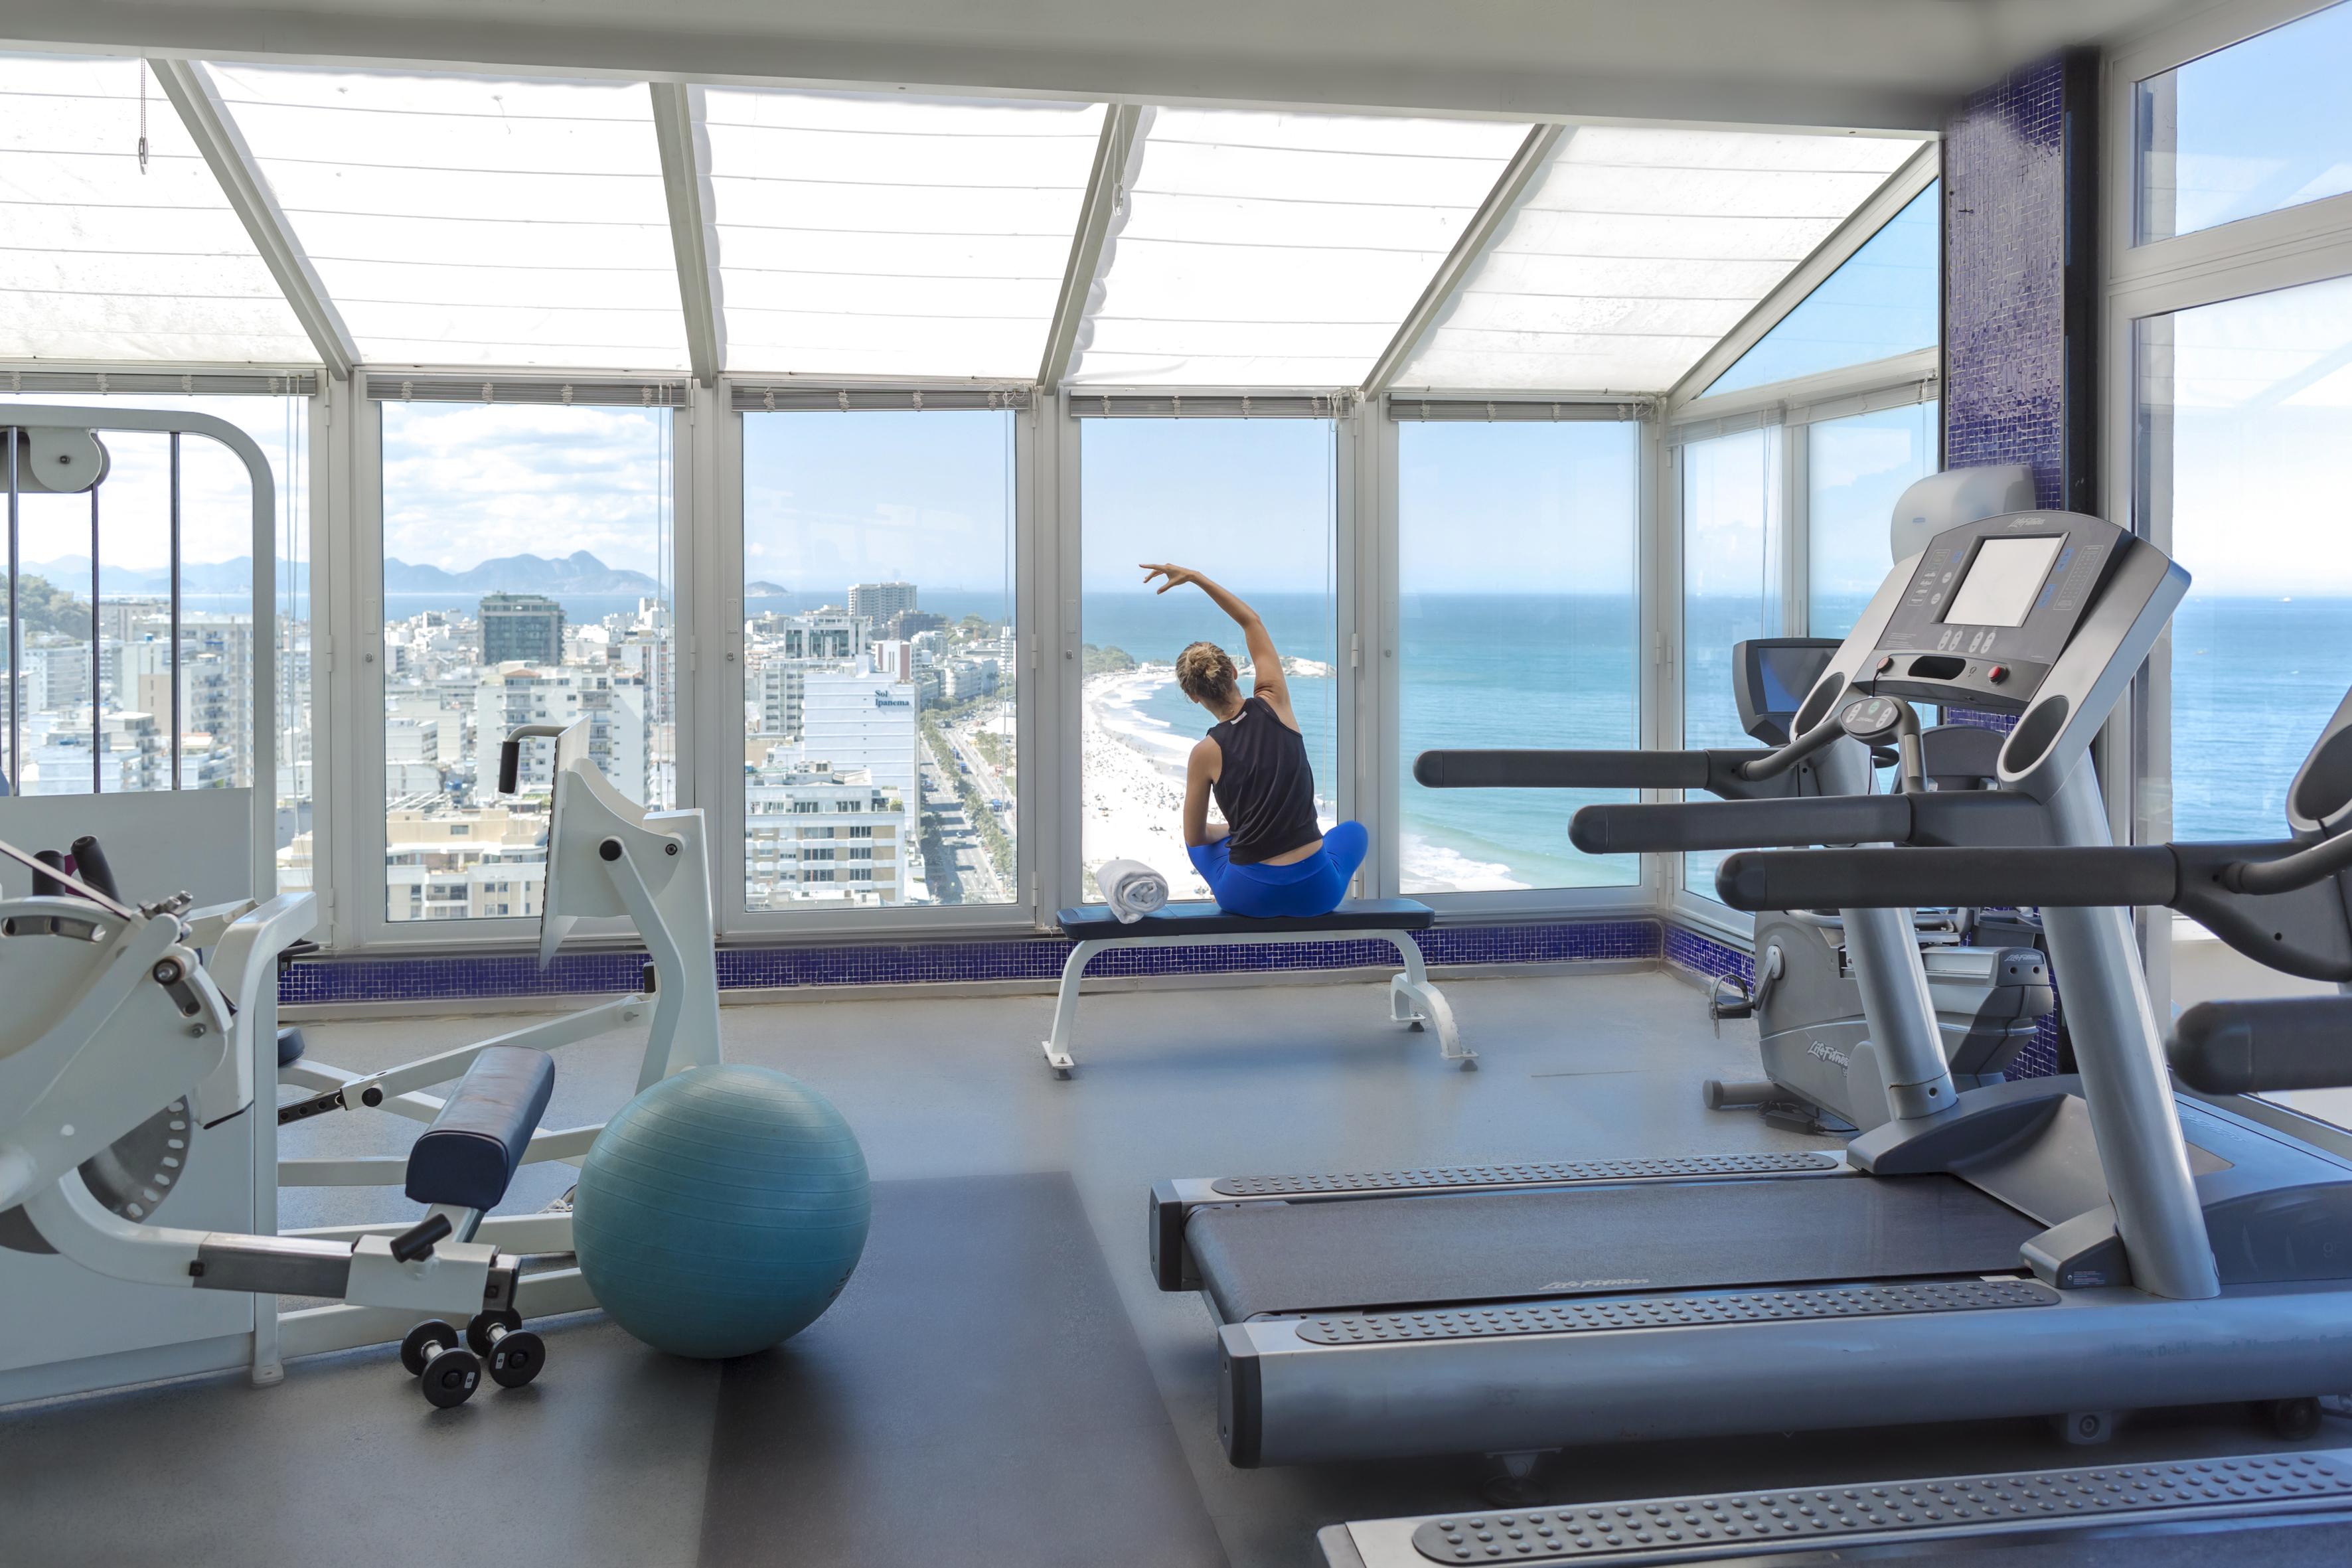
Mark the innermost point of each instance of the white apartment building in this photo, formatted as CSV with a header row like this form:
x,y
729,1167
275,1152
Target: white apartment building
x,y
442,863
818,834
877,602
620,737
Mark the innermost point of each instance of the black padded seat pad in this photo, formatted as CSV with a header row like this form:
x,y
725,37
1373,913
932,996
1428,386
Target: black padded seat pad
x,y
1260,1258
1094,922
469,1153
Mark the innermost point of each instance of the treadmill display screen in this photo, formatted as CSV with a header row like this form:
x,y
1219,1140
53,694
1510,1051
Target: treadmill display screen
x,y
1786,674
2001,581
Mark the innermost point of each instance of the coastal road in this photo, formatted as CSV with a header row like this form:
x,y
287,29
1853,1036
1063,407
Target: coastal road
x,y
986,778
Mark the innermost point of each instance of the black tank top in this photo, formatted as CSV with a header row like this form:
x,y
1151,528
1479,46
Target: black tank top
x,y
1264,787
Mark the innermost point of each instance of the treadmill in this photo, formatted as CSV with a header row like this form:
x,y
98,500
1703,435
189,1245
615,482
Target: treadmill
x,y
2042,1247
2285,903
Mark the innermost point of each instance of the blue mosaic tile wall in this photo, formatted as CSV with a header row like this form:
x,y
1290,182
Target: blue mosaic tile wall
x,y
2004,260
1687,949
448,977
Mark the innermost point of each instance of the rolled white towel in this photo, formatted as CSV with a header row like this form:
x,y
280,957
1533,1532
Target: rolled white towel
x,y
1132,889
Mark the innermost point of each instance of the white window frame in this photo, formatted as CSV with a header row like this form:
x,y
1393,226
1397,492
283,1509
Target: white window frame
x,y
2258,255
721,692
360,919
1380,759
1787,409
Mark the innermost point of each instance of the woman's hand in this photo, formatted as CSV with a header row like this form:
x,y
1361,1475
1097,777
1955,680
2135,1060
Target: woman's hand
x,y
1177,575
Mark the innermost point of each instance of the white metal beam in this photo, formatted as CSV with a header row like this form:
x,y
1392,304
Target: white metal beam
x,y
685,178
1106,189
1485,225
190,87
1917,172
1874,64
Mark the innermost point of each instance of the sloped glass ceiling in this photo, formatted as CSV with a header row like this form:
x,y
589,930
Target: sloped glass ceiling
x,y
1634,250
103,258
1886,299
863,235
479,222
473,221
1263,249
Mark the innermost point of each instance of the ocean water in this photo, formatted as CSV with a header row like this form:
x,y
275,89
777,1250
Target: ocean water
x,y
2254,681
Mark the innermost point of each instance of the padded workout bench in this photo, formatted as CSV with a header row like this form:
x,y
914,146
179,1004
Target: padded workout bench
x,y
1412,998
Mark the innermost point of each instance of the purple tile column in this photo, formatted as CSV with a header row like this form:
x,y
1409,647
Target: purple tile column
x,y
2021,305
2021,278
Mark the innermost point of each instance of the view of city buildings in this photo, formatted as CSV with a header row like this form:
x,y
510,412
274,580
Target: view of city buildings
x,y
94,706
455,687
878,756
878,761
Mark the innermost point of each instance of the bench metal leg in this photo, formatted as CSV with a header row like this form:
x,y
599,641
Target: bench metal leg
x,y
1065,1010
1415,998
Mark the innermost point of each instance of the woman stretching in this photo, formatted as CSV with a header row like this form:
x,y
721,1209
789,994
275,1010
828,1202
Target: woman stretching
x,y
1268,857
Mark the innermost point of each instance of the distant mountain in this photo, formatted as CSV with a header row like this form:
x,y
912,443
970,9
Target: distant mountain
x,y
764,590
233,576
578,573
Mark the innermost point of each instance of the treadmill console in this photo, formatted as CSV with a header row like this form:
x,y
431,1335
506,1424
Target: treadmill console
x,y
1770,677
1990,606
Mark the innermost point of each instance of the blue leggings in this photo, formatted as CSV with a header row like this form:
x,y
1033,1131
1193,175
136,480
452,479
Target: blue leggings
x,y
1310,887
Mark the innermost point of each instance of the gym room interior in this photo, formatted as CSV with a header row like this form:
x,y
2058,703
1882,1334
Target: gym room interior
x,y
1046,785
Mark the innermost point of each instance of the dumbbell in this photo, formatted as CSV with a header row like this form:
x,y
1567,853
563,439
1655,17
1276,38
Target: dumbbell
x,y
448,1371
514,1352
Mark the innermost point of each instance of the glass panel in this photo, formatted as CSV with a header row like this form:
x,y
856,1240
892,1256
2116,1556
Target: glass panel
x,y
474,220
2250,128
2245,421
1886,299
1634,251
1517,542
112,255
135,670
880,721
58,739
1855,470
891,235
1731,565
1276,249
2245,451
1251,502
526,579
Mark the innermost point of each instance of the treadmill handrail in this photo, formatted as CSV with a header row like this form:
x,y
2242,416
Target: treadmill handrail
x,y
2133,875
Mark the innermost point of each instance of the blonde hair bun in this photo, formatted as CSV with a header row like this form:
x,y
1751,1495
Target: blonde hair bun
x,y
1205,673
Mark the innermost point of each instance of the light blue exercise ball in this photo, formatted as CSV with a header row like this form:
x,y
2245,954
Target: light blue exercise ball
x,y
721,1211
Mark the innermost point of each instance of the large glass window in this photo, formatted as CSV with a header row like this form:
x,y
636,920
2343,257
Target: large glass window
x,y
526,580
1249,503
1855,470
1886,299
880,671
1515,547
2245,452
1731,587
102,702
2250,128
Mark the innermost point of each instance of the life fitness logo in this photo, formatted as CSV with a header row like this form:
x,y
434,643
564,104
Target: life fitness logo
x,y
2015,523
1822,1051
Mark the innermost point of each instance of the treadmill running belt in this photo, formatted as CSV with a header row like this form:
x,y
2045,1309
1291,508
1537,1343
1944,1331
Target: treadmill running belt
x,y
1266,1258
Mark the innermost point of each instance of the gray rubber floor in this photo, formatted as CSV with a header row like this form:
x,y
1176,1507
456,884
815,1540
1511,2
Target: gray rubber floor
x,y
615,1455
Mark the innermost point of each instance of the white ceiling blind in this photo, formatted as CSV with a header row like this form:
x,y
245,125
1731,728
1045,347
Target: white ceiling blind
x,y
103,261
1634,250
1271,249
472,220
893,237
